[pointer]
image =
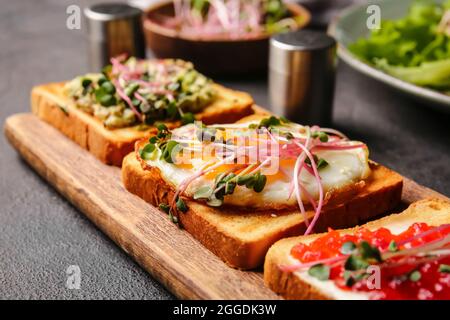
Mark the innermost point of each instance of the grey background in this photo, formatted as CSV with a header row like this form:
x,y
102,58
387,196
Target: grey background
x,y
41,234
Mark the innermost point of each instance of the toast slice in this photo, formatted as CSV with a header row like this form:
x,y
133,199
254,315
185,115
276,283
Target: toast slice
x,y
50,104
242,238
298,285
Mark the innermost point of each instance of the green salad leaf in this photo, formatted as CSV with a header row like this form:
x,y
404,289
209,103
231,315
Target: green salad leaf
x,y
413,48
429,74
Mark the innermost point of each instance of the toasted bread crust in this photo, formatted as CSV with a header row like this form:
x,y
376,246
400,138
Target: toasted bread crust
x,y
110,146
287,284
242,238
150,186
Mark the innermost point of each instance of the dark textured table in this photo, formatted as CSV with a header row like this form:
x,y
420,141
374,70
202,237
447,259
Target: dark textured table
x,y
41,234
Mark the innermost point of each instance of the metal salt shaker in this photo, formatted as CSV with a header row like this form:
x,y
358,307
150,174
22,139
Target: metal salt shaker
x,y
113,29
302,76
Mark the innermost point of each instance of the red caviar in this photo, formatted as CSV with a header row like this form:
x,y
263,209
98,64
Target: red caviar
x,y
396,281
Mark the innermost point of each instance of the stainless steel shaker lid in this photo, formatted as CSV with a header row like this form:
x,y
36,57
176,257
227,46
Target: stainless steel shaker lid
x,y
303,40
111,11
113,29
286,48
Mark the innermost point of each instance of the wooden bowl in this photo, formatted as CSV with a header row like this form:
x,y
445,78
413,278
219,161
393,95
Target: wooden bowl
x,y
217,56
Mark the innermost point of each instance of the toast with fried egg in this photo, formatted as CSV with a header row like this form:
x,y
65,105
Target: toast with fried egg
x,y
106,113
239,225
425,227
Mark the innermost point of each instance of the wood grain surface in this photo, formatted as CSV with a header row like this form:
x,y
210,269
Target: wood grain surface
x,y
171,255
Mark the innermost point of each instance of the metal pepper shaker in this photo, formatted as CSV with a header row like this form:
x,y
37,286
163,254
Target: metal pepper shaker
x,y
113,29
302,76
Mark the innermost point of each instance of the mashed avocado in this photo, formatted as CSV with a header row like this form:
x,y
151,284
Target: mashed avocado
x,y
135,92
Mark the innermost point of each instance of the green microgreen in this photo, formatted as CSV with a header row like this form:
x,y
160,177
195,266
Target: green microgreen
x,y
172,111
214,202
393,247
225,184
415,276
167,150
242,180
164,207
370,253
172,217
320,271
189,91
351,277
260,182
181,205
131,89
203,193
323,137
187,117
162,142
102,79
108,87
355,262
362,255
288,135
269,123
107,100
320,162
147,151
104,97
445,268
348,247
163,131
86,82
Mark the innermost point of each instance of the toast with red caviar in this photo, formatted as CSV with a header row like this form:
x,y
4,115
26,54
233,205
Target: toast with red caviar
x,y
410,250
107,112
238,210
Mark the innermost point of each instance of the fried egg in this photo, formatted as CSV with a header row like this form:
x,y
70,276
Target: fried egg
x,y
344,167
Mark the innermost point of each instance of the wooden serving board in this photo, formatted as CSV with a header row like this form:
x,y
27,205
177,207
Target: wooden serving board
x,y
169,254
